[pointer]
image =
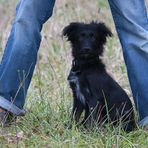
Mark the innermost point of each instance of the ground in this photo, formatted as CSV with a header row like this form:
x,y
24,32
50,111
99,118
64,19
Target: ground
x,y
49,98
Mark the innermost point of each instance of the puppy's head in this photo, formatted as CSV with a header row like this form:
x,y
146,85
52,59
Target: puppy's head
x,y
87,40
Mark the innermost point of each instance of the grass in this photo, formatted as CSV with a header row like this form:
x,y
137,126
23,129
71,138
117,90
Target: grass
x,y
49,98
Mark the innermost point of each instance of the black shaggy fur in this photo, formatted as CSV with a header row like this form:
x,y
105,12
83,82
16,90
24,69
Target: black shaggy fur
x,y
94,90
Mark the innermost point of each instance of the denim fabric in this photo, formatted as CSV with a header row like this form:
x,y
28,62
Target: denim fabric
x,y
131,23
20,53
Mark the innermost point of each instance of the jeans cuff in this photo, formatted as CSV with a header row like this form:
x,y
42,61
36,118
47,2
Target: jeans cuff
x,y
9,106
144,122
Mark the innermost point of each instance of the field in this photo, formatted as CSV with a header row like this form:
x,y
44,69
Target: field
x,y
49,100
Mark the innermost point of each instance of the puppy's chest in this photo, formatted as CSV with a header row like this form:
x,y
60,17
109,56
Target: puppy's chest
x,y
79,85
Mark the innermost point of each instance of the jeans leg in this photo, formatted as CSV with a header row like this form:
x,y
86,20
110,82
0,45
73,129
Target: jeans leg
x,y
131,23
8,48
20,54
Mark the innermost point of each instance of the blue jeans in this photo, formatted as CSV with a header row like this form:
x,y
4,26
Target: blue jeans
x,y
131,23
20,54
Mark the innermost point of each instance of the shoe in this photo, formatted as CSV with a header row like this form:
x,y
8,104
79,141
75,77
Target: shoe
x,y
144,123
6,118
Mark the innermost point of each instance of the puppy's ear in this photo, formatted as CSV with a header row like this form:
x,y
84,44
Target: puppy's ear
x,y
69,31
103,32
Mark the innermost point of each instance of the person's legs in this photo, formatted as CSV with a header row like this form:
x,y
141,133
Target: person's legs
x,y
131,23
20,55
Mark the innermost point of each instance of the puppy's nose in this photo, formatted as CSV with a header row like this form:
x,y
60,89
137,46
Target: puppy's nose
x,y
86,49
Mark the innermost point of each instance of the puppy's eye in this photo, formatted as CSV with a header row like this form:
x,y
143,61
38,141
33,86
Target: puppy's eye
x,y
91,35
82,34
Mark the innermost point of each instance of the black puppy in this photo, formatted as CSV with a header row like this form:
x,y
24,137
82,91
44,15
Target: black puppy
x,y
94,90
